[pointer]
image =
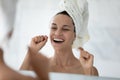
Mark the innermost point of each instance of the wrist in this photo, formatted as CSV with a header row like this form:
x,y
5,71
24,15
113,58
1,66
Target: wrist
x,y
88,71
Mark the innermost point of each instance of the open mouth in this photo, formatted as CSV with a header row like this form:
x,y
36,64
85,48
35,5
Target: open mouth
x,y
56,40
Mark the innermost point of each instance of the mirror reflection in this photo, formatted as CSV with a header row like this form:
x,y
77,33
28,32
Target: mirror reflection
x,y
23,20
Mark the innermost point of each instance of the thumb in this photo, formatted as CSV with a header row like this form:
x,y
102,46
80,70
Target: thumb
x,y
1,55
81,50
83,54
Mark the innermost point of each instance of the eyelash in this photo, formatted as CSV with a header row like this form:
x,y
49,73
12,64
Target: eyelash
x,y
66,29
54,28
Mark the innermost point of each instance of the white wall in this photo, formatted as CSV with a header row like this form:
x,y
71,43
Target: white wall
x,y
33,18
104,28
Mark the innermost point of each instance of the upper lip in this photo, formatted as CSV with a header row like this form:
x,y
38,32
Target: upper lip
x,y
58,39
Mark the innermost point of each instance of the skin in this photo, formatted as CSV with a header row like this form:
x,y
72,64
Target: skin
x,y
62,28
6,73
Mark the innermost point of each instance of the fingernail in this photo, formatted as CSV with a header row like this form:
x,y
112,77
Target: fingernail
x,y
81,48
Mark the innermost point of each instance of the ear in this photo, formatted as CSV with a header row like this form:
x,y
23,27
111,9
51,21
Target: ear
x,y
74,35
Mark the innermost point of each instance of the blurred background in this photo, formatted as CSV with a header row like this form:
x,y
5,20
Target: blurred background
x,y
27,18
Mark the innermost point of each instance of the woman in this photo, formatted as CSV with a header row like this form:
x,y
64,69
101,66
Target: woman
x,y
65,32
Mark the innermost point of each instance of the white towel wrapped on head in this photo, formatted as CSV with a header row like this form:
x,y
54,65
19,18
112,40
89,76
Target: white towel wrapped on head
x,y
78,10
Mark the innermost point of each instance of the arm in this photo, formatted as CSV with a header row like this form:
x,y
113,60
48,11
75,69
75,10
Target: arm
x,y
40,64
86,60
91,71
26,63
36,61
37,43
95,72
6,73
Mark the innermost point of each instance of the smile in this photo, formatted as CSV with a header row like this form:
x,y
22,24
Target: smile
x,y
56,40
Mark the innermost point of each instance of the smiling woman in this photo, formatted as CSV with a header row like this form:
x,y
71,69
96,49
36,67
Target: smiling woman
x,y
62,31
67,29
32,18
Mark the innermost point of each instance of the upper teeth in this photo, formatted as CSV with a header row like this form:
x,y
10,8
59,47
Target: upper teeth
x,y
58,39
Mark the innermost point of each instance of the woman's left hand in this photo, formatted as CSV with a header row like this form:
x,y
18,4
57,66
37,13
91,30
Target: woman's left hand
x,y
86,60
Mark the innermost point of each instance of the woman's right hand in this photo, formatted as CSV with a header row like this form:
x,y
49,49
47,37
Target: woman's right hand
x,y
38,42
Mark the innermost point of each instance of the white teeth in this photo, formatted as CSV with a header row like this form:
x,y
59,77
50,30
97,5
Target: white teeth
x,y
58,39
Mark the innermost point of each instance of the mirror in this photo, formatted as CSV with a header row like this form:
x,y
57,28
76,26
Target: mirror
x,y
31,17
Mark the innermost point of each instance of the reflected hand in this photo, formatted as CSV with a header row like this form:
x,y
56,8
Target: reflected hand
x,y
38,42
86,60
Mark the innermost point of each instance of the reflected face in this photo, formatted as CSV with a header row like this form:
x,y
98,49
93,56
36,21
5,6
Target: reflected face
x,y
62,32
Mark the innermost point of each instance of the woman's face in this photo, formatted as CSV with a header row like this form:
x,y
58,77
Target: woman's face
x,y
62,32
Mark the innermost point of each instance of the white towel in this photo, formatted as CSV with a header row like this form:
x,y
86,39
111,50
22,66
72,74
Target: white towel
x,y
78,10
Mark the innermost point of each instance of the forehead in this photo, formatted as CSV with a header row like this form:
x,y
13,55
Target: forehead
x,y
62,19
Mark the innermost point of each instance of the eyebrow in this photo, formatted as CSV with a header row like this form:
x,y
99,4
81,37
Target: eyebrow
x,y
63,25
54,24
66,26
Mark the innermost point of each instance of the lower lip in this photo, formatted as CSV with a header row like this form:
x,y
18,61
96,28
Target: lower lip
x,y
55,43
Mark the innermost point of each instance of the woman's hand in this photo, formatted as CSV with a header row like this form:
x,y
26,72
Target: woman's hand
x,y
86,60
38,42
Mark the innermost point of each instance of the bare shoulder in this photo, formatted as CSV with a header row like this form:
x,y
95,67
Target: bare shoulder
x,y
95,71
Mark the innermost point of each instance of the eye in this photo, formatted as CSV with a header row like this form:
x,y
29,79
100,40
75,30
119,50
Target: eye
x,y
53,28
65,29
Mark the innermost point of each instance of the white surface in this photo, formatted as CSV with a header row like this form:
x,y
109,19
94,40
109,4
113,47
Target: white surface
x,y
27,73
63,76
66,76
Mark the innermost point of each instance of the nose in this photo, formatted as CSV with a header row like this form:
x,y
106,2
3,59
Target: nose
x,y
58,32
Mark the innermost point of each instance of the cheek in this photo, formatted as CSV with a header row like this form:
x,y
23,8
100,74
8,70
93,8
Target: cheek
x,y
71,37
51,34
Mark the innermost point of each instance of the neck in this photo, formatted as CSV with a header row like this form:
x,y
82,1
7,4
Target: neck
x,y
63,57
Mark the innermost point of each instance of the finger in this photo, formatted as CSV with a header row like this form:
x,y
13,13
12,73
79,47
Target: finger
x,y
1,55
38,39
41,38
81,49
44,39
91,57
1,51
84,53
34,39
